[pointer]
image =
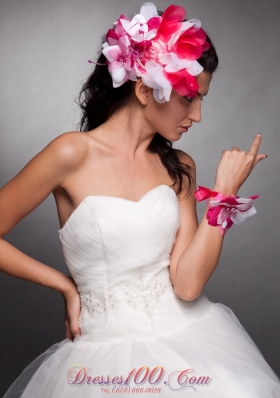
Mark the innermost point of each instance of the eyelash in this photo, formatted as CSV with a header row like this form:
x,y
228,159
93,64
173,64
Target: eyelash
x,y
191,99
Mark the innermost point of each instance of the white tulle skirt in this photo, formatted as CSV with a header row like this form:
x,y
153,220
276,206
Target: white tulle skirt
x,y
210,357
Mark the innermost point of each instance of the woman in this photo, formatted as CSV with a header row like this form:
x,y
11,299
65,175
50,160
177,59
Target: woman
x,y
137,320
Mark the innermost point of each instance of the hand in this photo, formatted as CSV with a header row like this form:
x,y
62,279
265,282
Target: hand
x,y
235,166
72,313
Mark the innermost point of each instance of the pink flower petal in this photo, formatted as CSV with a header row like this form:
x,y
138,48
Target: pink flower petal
x,y
190,44
212,215
174,13
142,45
171,21
111,34
124,44
111,52
183,82
205,46
154,23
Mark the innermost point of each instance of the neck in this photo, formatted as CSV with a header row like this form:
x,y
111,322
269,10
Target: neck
x,y
127,131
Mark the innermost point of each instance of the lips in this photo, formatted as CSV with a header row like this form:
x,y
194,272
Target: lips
x,y
185,127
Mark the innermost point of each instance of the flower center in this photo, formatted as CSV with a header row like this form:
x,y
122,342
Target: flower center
x,y
231,210
122,58
140,33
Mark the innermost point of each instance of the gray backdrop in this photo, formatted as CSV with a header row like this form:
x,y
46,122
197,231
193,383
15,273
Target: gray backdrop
x,y
45,46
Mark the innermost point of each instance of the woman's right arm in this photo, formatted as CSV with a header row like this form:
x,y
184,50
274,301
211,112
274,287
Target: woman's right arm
x,y
31,186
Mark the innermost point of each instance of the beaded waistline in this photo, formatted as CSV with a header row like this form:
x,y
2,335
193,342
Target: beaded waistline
x,y
139,295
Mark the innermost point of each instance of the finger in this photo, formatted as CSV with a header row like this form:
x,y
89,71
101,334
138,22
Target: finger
x,y
68,332
74,321
258,158
74,324
255,146
235,148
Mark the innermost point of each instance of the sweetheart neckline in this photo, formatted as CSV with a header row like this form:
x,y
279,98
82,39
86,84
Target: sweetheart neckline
x,y
113,197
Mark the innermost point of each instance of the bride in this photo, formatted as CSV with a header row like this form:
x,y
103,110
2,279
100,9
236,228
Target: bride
x,y
137,320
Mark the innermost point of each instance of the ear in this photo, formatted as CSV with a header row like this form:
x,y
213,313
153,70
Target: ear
x,y
142,92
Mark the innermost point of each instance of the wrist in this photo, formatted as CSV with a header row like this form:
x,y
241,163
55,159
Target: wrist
x,y
224,190
68,287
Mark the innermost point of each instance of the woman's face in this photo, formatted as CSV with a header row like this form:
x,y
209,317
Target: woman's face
x,y
173,118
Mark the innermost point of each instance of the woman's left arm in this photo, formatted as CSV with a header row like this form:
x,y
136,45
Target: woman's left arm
x,y
197,249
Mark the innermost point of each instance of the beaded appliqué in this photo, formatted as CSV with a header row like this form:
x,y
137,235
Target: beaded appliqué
x,y
143,296
140,295
96,306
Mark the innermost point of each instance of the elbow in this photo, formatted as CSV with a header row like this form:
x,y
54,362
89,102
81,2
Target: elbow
x,y
189,292
188,295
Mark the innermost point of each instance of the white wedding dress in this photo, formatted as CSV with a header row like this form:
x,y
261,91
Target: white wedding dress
x,y
137,336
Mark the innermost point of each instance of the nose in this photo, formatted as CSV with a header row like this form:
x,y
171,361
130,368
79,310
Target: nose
x,y
195,111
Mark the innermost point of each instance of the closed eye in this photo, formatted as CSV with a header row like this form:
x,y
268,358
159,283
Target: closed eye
x,y
189,99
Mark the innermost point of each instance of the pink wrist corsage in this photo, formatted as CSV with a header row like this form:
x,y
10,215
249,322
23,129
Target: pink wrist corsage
x,y
223,211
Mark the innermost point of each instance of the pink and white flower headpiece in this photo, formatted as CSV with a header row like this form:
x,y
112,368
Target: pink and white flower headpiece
x,y
162,50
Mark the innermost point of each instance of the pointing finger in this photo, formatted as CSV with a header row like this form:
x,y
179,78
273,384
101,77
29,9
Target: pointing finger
x,y
256,144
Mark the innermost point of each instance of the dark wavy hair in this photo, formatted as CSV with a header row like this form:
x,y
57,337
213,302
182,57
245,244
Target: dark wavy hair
x,y
98,100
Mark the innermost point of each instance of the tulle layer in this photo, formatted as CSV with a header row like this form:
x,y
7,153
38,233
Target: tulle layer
x,y
211,357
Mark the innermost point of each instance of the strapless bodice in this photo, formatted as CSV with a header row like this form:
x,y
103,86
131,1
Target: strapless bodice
x,y
118,253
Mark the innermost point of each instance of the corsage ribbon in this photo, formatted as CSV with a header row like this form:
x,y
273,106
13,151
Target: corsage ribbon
x,y
224,211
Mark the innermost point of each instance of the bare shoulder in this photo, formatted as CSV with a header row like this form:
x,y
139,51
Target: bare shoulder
x,y
185,158
42,175
69,149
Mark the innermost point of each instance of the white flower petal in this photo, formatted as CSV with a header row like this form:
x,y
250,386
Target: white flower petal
x,y
126,24
157,98
214,203
171,68
134,31
148,10
149,81
224,224
196,23
162,81
138,18
243,200
194,68
252,211
118,73
151,34
167,92
115,85
238,217
161,93
165,59
133,75
222,216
